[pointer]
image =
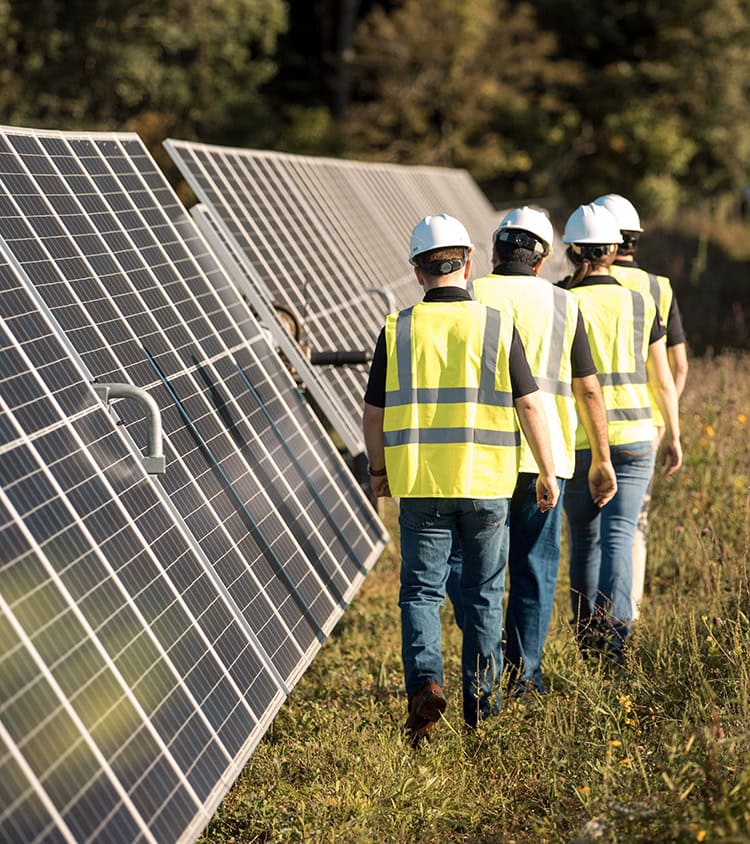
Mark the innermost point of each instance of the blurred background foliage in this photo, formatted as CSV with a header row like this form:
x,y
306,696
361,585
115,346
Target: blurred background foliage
x,y
552,100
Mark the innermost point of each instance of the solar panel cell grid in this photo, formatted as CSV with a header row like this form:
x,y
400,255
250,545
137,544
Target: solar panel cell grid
x,y
24,815
281,245
67,574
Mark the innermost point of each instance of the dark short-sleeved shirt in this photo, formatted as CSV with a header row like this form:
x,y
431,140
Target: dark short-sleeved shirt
x,y
581,361
657,326
521,379
675,331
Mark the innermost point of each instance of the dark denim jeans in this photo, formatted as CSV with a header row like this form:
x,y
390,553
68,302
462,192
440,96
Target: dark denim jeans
x,y
533,563
601,541
428,526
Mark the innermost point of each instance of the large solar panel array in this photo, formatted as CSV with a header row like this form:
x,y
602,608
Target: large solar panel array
x,y
149,629
320,234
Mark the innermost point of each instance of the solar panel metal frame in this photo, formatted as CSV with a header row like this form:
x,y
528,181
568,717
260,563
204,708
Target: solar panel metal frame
x,y
377,542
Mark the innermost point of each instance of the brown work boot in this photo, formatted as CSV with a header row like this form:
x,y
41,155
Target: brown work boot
x,y
425,709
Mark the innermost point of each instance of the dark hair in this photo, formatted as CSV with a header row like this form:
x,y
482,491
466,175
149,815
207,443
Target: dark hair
x,y
629,243
584,264
429,262
576,258
507,252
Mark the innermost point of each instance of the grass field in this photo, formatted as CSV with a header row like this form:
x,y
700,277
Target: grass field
x,y
660,755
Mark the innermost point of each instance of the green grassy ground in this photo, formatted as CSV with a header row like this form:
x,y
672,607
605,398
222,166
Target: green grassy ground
x,y
660,755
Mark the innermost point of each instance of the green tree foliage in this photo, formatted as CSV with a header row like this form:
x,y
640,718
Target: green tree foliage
x,y
473,85
191,67
664,97
567,98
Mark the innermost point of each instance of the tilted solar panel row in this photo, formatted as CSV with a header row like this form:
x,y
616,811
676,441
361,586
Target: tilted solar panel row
x,y
219,581
129,684
322,235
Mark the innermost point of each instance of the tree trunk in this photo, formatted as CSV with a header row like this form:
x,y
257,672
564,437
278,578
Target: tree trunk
x,y
349,12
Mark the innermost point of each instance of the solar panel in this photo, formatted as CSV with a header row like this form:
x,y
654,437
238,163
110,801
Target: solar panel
x,y
322,234
129,686
348,428
235,564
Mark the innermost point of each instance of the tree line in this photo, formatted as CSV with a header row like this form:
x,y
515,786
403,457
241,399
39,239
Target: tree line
x,y
547,98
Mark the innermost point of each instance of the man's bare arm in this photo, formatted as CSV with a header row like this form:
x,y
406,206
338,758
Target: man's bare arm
x,y
593,415
678,363
372,428
533,421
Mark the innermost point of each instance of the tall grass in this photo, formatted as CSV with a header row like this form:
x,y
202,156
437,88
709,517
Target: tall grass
x,y
660,754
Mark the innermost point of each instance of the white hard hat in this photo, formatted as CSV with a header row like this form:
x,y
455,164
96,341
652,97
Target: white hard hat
x,y
436,232
623,211
527,219
591,224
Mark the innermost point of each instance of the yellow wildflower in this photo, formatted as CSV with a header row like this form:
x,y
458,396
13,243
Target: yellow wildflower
x,y
710,431
626,702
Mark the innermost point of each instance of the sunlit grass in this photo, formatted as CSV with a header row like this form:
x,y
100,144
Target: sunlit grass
x,y
662,754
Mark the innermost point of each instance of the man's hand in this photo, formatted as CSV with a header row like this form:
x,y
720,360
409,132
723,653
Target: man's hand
x,y
669,454
547,492
379,486
602,482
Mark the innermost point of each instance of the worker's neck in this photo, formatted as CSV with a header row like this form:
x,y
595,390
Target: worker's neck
x,y
452,280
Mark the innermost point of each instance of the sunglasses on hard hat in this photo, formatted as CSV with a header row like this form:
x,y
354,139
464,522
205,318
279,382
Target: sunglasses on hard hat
x,y
522,240
592,250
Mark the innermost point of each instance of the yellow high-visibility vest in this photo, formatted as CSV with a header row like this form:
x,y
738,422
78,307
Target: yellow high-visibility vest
x,y
449,427
618,323
659,288
545,317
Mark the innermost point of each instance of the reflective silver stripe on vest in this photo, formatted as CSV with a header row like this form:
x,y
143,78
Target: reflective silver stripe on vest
x,y
556,388
639,328
440,436
557,340
485,394
458,395
628,414
617,379
653,282
638,376
403,359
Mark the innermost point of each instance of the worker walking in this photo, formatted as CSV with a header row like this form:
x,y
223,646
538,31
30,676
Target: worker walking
x,y
557,349
442,435
626,270
625,332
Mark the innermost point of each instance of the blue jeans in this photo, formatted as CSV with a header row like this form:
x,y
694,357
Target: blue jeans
x,y
533,563
428,526
601,543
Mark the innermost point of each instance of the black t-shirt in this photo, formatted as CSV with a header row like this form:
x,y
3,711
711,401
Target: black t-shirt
x,y
581,362
675,331
657,327
521,379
